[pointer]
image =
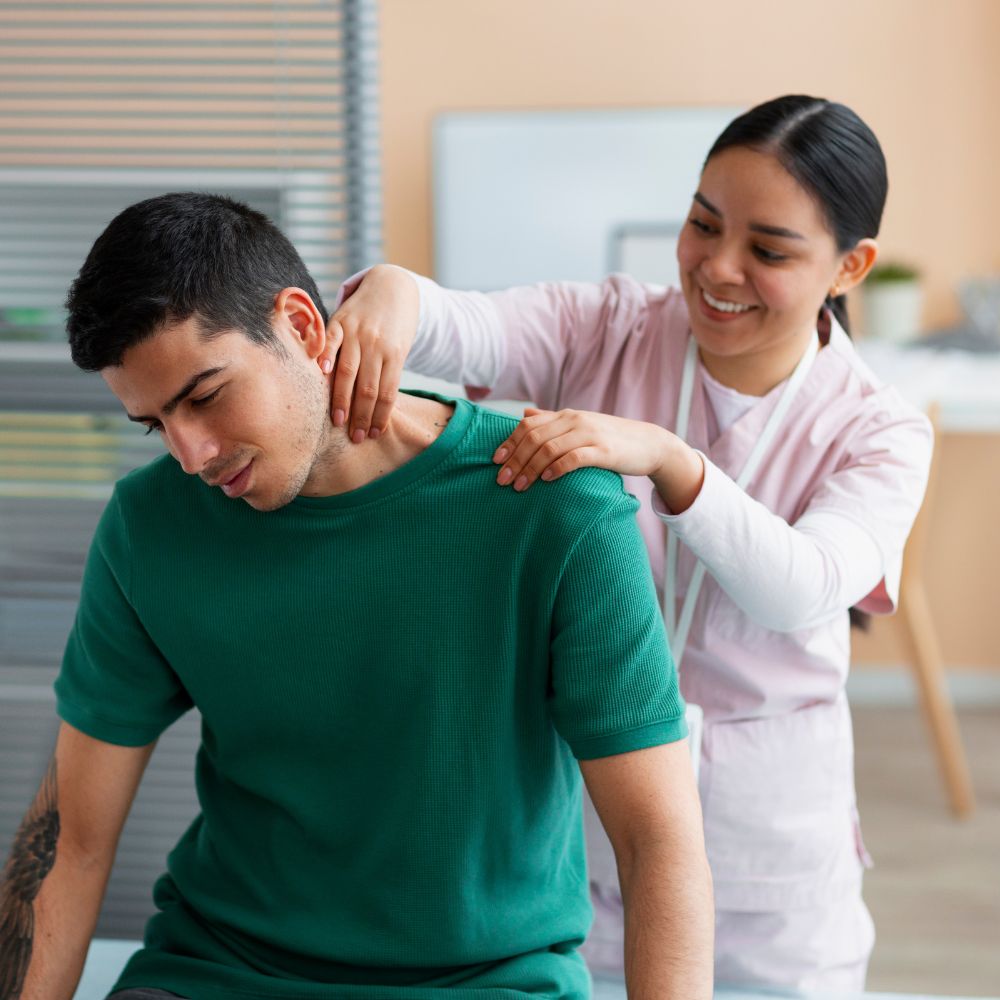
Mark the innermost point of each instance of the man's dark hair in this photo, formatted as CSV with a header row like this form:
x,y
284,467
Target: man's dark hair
x,y
169,258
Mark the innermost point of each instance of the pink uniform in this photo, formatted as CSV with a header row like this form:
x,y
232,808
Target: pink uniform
x,y
820,527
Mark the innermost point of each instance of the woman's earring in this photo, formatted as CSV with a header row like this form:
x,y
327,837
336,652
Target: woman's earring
x,y
835,291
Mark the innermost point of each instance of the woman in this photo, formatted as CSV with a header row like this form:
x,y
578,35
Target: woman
x,y
779,480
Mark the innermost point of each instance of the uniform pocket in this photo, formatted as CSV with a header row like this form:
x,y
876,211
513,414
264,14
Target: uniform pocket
x,y
778,805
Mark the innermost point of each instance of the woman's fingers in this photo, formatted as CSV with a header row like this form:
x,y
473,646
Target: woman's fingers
x,y
532,418
366,379
366,390
368,340
388,390
555,458
541,439
547,445
345,376
334,338
577,458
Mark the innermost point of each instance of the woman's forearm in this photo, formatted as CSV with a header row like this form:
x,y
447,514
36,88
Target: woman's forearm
x,y
785,577
445,334
459,336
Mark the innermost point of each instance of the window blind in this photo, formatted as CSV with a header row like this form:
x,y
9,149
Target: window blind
x,y
102,104
105,103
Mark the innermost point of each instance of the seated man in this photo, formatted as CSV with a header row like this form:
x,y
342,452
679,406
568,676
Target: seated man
x,y
396,663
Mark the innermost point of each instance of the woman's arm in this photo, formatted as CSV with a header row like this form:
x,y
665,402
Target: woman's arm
x,y
844,549
389,316
783,576
513,343
547,445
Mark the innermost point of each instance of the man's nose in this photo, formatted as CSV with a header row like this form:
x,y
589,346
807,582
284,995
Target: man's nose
x,y
193,446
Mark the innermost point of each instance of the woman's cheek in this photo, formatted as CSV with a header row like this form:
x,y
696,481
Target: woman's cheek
x,y
776,293
687,253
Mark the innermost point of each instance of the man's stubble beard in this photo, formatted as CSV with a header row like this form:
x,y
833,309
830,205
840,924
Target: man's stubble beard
x,y
316,436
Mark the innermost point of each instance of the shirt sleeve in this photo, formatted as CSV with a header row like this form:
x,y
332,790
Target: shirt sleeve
x,y
845,550
515,344
614,685
459,337
114,684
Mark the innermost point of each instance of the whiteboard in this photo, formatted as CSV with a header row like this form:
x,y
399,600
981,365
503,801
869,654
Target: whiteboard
x,y
647,251
546,195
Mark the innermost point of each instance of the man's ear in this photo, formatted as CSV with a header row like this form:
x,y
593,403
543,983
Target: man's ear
x,y
855,266
296,315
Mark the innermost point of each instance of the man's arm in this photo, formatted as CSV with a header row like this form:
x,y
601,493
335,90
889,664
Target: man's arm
x,y
54,880
648,803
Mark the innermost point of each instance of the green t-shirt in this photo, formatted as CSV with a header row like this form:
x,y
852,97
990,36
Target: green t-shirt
x,y
394,683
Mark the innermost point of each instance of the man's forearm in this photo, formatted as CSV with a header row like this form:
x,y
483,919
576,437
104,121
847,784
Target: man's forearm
x,y
49,899
669,925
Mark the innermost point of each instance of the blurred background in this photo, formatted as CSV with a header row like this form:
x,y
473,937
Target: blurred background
x,y
491,142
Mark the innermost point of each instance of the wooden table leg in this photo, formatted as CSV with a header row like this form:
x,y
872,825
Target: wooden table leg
x,y
917,632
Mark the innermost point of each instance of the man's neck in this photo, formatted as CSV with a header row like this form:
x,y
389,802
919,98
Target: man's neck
x,y
341,466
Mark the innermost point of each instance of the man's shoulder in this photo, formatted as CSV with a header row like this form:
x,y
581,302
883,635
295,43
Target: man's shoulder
x,y
578,497
139,500
159,478
159,495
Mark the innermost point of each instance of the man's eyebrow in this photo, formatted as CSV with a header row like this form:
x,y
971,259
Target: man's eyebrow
x,y
189,387
756,227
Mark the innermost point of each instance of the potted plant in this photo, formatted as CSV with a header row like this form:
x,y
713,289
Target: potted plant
x,y
892,297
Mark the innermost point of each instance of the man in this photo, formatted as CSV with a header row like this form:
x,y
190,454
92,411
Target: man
x,y
395,661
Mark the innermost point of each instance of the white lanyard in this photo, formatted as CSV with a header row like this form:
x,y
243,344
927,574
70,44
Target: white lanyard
x,y
677,630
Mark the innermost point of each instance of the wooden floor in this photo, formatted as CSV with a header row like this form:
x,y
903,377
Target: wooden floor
x,y
935,890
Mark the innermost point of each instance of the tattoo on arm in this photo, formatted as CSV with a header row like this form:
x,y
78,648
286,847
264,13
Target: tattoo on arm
x,y
31,859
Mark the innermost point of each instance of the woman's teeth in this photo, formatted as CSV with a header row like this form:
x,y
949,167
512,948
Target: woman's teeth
x,y
723,306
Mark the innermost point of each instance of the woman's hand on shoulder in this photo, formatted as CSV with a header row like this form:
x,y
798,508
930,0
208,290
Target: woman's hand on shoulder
x,y
368,339
547,444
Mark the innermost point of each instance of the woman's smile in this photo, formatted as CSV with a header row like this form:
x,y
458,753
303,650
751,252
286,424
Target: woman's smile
x,y
726,305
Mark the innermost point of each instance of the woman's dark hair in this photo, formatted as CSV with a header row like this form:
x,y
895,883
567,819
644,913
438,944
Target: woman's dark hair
x,y
835,156
180,255
832,153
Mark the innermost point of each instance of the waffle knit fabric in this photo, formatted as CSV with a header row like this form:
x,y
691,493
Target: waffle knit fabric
x,y
394,684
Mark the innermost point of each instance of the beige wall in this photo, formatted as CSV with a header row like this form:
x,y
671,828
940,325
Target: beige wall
x,y
925,75
962,561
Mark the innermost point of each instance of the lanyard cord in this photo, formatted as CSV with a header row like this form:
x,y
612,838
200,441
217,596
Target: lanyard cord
x,y
677,629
